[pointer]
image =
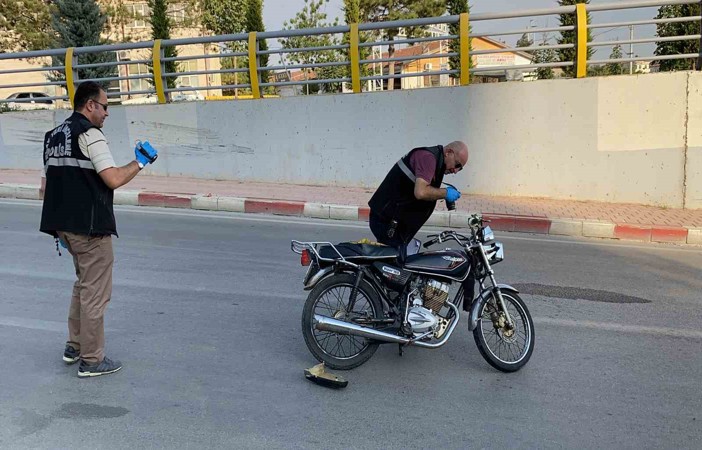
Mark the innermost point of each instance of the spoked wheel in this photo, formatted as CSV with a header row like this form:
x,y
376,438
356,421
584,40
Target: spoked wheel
x,y
330,298
505,348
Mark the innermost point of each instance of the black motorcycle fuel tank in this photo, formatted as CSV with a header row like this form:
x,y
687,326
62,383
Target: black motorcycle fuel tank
x,y
447,263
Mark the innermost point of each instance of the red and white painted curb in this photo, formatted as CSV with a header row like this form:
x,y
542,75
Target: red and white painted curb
x,y
454,219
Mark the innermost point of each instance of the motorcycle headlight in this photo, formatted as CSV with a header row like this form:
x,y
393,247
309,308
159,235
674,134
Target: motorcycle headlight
x,y
488,234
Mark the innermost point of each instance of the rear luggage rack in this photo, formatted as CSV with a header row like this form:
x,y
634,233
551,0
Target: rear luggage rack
x,y
299,246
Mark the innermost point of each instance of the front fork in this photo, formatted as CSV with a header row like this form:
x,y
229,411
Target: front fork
x,y
491,274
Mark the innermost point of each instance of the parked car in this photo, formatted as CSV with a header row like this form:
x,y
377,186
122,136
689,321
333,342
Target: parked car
x,y
30,100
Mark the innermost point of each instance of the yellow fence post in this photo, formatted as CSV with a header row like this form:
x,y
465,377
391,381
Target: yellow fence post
x,y
354,54
158,78
464,30
253,65
68,69
581,46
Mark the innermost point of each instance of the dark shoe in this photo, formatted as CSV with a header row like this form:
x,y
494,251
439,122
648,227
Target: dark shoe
x,y
71,355
105,367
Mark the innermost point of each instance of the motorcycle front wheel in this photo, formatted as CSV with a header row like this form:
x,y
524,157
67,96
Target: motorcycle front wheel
x,y
505,348
330,298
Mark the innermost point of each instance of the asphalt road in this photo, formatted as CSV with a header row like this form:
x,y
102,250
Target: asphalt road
x,y
205,316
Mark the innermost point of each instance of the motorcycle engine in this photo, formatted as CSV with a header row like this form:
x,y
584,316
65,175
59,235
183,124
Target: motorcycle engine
x,y
422,314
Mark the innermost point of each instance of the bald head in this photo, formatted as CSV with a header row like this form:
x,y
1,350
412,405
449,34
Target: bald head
x,y
456,156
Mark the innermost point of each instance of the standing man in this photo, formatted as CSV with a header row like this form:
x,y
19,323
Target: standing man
x,y
80,179
407,196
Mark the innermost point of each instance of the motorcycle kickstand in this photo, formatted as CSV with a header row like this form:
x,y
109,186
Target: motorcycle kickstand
x,y
399,348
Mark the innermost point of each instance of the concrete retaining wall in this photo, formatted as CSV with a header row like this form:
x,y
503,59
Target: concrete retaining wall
x,y
621,139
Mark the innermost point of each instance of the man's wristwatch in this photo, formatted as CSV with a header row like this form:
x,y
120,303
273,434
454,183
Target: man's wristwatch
x,y
140,164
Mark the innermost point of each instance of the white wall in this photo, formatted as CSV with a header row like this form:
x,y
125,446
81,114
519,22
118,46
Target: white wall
x,y
618,139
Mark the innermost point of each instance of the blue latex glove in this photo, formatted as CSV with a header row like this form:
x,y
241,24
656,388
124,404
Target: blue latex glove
x,y
63,244
144,159
452,194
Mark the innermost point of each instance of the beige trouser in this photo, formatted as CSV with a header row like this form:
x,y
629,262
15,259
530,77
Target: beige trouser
x,y
93,258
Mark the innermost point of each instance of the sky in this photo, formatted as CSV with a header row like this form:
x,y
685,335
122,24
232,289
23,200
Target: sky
x,y
275,12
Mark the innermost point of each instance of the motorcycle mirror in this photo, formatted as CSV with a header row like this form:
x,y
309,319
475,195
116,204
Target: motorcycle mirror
x,y
318,375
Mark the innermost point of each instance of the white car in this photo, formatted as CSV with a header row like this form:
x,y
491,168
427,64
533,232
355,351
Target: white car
x,y
31,100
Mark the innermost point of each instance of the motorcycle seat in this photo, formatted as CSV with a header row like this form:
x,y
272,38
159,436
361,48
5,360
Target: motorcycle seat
x,y
353,250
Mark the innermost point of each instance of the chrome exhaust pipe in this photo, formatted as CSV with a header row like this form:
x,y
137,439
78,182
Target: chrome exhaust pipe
x,y
323,323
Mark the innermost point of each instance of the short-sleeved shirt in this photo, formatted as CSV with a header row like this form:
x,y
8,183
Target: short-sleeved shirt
x,y
93,145
423,164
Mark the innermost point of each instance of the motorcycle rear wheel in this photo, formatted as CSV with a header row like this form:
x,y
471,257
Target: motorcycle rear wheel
x,y
504,349
330,298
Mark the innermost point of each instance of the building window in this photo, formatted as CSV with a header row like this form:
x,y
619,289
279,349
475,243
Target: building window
x,y
139,11
188,80
141,84
176,12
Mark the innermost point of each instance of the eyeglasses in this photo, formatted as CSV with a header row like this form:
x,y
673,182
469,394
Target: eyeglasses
x,y
458,166
104,106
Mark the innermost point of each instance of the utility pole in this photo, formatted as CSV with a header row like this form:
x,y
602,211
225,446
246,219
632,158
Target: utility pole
x,y
631,49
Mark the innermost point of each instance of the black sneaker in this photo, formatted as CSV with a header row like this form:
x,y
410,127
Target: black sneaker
x,y
71,355
106,367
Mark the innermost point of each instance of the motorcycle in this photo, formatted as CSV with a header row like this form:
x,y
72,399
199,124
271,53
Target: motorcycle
x,y
361,297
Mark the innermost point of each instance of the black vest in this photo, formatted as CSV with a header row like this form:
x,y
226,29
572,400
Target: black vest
x,y
395,200
76,199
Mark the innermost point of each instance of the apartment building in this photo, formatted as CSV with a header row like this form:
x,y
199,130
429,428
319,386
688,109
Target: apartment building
x,y
133,28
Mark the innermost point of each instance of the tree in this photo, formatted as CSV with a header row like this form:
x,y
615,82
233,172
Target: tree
x,y
225,17
389,10
547,55
571,37
615,68
25,25
454,8
79,23
312,16
161,29
254,22
524,41
677,29
118,17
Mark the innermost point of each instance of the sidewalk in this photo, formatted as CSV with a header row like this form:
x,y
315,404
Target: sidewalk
x,y
532,215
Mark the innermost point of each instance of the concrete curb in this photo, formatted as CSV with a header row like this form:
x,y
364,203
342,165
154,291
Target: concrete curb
x,y
498,222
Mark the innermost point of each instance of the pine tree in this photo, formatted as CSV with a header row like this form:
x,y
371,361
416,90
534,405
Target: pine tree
x,y
389,10
254,22
24,25
79,23
456,7
615,68
161,29
571,37
677,29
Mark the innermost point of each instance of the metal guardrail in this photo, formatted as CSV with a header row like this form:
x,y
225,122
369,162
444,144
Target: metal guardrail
x,y
350,52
